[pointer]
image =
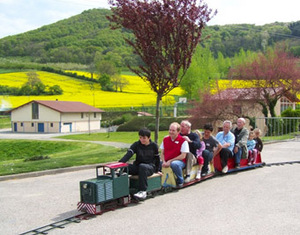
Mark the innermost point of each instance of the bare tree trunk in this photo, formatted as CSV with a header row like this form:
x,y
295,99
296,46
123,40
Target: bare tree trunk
x,y
158,98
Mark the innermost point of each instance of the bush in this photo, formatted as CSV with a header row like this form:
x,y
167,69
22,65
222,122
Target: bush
x,y
290,124
121,120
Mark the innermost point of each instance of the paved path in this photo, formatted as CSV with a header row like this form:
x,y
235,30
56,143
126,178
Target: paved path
x,y
260,201
8,134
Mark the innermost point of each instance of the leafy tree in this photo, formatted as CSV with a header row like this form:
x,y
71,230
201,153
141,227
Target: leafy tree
x,y
295,28
212,108
33,79
55,90
106,67
166,34
119,82
203,71
274,74
105,82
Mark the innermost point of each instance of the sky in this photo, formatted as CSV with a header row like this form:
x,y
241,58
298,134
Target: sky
x,y
18,16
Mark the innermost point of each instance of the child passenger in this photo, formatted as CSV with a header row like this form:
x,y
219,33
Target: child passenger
x,y
259,144
251,148
199,154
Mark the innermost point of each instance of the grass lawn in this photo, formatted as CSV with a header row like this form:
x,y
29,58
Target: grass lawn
x,y
5,122
20,156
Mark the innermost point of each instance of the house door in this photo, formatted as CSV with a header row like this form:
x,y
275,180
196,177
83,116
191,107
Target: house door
x,y
15,127
40,127
67,127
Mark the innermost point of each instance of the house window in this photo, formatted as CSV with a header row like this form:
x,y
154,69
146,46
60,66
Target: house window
x,y
285,104
32,124
51,124
81,115
35,111
237,109
21,123
95,115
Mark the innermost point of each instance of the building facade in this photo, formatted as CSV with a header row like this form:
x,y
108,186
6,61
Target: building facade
x,y
55,117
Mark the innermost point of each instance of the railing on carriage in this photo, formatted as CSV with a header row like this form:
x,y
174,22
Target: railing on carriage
x,y
279,128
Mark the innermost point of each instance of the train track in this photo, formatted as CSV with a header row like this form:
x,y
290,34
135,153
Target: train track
x,y
85,216
59,224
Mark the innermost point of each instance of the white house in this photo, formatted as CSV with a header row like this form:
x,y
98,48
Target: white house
x,y
55,117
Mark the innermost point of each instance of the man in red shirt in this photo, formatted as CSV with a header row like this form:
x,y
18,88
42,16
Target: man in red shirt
x,y
174,149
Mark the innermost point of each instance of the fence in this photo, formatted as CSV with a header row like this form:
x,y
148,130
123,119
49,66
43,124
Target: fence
x,y
278,128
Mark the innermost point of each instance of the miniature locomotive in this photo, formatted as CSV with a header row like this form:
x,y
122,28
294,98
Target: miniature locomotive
x,y
113,187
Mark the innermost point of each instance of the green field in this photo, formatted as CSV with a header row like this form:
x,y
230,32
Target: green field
x,y
5,122
21,156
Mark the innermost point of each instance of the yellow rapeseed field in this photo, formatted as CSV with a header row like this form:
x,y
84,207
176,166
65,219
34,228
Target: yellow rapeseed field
x,y
137,93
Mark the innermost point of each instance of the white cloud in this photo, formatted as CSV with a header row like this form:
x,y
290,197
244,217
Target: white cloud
x,y
257,12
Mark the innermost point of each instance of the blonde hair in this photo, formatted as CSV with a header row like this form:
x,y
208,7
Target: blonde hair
x,y
257,131
199,134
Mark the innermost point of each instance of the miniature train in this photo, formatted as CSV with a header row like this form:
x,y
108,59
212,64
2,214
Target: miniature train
x,y
113,187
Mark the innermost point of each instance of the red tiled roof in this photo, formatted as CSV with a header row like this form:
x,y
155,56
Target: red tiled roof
x,y
66,106
145,114
249,94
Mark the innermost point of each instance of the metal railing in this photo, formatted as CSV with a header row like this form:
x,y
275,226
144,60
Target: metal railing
x,y
279,128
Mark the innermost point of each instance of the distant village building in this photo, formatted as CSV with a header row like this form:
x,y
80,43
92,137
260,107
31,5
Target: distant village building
x,y
46,116
244,103
141,114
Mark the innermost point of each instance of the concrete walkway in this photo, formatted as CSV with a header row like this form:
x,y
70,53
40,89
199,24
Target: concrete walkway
x,y
259,201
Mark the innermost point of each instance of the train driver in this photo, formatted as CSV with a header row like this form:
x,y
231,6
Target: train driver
x,y
146,163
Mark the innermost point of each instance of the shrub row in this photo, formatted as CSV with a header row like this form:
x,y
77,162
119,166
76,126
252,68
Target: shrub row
x,y
137,123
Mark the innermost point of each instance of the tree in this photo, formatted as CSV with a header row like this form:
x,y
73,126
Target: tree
x,y
55,90
166,34
119,82
34,84
32,79
212,108
105,82
203,71
274,75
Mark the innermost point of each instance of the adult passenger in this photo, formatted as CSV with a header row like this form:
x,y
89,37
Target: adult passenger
x,y
146,163
241,134
212,147
174,149
227,140
194,144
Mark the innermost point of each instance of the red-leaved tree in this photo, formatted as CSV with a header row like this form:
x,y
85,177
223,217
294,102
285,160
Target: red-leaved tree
x,y
274,75
166,33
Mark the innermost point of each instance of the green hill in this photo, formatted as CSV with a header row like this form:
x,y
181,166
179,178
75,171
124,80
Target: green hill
x,y
87,37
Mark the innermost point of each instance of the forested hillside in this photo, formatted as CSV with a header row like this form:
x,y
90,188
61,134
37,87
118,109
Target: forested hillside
x,y
87,37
